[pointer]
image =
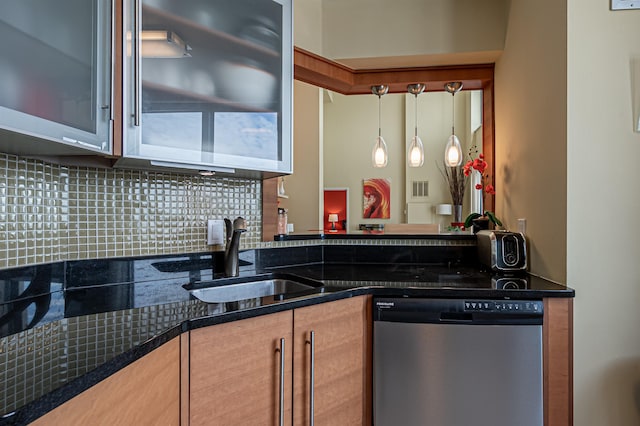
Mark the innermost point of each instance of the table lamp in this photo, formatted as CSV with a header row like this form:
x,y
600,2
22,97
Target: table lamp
x,y
333,218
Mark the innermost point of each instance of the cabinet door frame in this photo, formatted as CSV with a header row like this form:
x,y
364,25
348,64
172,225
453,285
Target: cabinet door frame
x,y
23,133
227,379
129,147
342,358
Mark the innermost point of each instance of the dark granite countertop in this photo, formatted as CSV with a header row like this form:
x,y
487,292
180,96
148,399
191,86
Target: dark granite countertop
x,y
66,326
373,235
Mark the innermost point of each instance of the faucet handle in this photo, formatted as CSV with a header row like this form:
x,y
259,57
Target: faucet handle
x,y
239,224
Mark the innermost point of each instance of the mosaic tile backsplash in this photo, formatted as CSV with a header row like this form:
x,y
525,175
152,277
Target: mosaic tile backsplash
x,y
50,212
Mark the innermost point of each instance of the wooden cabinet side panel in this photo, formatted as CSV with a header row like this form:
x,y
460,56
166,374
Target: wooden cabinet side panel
x,y
145,392
342,362
184,378
235,371
558,361
269,208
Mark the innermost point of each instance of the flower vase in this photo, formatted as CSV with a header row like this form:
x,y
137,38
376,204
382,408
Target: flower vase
x,y
457,216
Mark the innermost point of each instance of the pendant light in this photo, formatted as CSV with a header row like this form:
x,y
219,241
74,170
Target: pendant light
x,y
453,150
379,155
415,155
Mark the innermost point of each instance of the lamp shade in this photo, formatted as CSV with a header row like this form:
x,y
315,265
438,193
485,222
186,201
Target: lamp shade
x,y
444,209
333,217
379,156
453,152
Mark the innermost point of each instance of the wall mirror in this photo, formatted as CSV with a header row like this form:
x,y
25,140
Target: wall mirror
x,y
349,125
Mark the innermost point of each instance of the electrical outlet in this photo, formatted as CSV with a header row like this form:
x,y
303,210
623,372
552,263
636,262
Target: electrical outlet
x,y
215,232
522,225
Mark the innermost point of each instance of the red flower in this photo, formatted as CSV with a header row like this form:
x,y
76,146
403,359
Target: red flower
x,y
480,165
485,186
467,168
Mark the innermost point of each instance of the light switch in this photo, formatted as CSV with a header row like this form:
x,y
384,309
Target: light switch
x,y
522,225
215,232
625,4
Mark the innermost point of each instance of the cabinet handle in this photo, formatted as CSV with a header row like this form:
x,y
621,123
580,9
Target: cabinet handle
x,y
113,60
312,350
137,95
281,382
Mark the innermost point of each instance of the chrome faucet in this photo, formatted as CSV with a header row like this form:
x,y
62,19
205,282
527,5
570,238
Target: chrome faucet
x,y
234,231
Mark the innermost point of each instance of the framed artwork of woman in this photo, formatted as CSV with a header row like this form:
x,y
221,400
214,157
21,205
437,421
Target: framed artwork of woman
x,y
376,202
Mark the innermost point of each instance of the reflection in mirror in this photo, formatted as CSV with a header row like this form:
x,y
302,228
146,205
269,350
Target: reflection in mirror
x,y
350,128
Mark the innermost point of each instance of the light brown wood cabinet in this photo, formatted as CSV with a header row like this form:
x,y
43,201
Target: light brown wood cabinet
x,y
235,371
235,367
146,392
342,357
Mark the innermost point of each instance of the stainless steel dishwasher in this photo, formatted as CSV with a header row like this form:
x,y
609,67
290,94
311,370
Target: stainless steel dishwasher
x,y
455,362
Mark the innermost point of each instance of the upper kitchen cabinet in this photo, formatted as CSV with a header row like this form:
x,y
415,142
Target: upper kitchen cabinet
x,y
56,76
208,85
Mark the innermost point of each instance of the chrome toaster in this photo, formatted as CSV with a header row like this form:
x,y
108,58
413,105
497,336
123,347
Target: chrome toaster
x,y
502,251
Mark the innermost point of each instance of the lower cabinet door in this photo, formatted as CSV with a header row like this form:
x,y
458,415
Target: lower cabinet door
x,y
236,374
332,363
146,392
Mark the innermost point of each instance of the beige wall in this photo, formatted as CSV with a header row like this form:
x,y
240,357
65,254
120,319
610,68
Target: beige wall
x,y
304,186
308,24
376,28
530,111
603,200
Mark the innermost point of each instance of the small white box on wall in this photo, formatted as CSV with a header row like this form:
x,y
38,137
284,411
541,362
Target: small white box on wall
x,y
625,4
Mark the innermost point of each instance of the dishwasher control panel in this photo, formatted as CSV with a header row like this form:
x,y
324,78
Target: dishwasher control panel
x,y
524,306
458,311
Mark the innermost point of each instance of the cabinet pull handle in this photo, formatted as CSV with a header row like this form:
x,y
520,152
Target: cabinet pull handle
x,y
312,342
113,60
281,408
137,96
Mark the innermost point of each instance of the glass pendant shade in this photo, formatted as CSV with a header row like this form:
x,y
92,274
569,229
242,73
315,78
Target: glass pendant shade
x,y
453,149
453,152
379,155
415,157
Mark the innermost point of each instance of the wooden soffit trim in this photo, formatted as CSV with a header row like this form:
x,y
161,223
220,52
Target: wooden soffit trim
x,y
322,72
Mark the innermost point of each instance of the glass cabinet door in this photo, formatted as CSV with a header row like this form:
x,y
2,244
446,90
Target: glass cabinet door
x,y
55,71
208,83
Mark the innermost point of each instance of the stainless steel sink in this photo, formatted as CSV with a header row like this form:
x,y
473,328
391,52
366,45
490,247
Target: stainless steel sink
x,y
221,291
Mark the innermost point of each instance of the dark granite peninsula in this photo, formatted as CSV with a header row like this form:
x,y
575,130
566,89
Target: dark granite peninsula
x,y
66,326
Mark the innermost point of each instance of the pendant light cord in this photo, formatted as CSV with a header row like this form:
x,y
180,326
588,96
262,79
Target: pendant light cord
x,y
453,113
416,114
379,115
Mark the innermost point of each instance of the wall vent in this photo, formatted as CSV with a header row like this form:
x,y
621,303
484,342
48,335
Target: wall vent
x,y
420,189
